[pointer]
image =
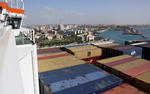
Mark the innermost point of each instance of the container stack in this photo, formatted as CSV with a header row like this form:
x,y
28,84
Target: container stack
x,y
63,73
57,61
87,53
126,50
48,51
80,79
133,70
124,89
113,49
106,52
146,51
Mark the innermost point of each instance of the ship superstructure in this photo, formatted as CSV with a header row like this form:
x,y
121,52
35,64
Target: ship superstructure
x,y
18,57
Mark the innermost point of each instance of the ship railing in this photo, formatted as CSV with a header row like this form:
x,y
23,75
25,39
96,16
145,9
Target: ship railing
x,y
25,37
19,4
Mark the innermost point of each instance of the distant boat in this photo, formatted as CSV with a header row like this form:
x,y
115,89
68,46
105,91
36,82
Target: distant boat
x,y
143,36
101,31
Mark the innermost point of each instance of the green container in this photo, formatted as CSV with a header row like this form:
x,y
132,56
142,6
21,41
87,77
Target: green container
x,y
139,56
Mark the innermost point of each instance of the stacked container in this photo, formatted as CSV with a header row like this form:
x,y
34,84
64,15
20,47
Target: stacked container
x,y
126,50
87,53
146,51
133,70
57,61
142,82
80,79
106,53
62,73
48,50
124,89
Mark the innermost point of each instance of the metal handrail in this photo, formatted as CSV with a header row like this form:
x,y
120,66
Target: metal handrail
x,y
19,4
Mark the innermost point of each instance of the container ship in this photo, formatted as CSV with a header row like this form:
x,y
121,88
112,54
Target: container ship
x,y
98,68
18,51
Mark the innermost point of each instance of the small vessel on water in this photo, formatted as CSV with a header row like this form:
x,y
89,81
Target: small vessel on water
x,y
133,31
101,31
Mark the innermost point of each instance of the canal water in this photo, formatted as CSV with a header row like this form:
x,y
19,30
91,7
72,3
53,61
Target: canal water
x,y
119,37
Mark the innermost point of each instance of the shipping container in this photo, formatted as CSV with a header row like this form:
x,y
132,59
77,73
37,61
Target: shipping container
x,y
109,45
48,50
101,63
126,67
105,50
125,50
80,79
146,51
87,53
57,63
75,45
53,55
64,48
83,54
140,56
143,82
124,89
82,48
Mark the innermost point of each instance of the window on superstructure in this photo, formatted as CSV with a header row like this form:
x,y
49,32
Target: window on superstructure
x,y
14,22
0,10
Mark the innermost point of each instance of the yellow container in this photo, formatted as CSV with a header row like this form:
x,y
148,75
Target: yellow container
x,y
130,65
80,48
117,58
144,77
58,63
88,53
109,45
143,82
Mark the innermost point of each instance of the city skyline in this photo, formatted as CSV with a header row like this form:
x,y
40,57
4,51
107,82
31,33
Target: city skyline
x,y
87,12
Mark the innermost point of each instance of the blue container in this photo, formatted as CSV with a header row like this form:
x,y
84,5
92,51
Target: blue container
x,y
81,79
94,87
67,73
133,51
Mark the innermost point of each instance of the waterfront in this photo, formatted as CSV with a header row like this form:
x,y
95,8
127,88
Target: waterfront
x,y
119,37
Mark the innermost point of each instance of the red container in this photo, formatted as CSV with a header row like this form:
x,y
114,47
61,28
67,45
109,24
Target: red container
x,y
138,70
49,50
54,56
124,47
146,45
92,60
123,89
122,61
142,40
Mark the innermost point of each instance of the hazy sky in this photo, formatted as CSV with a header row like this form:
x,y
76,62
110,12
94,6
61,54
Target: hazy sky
x,y
87,11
